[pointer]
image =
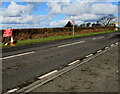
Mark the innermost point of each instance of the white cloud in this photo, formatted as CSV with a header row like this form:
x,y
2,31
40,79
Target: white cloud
x,y
21,15
69,8
104,8
98,0
85,17
59,23
17,10
81,8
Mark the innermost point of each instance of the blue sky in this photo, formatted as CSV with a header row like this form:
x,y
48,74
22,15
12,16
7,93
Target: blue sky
x,y
53,14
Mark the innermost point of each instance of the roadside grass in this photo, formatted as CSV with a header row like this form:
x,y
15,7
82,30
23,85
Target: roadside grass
x,y
31,41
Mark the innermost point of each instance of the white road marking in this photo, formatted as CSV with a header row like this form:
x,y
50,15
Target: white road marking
x,y
97,38
74,62
99,51
100,37
89,55
16,55
71,44
112,45
47,74
116,43
38,83
13,90
106,47
94,38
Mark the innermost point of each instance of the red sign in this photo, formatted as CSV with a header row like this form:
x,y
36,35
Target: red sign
x,y
73,22
7,32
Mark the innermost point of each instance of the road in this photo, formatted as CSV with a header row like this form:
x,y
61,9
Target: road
x,y
102,72
22,65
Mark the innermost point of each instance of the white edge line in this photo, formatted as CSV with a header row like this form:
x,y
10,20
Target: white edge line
x,y
34,87
13,90
89,55
116,43
99,51
112,45
48,74
17,55
74,62
106,47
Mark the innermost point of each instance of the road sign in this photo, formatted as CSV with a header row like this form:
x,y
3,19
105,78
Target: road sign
x,y
7,32
73,22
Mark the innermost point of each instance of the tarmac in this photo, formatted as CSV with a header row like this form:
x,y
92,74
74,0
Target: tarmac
x,y
97,75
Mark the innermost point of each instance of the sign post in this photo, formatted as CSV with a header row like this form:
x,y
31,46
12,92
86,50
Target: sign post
x,y
8,33
73,23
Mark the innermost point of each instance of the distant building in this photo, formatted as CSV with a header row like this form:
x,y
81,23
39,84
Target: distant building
x,y
117,24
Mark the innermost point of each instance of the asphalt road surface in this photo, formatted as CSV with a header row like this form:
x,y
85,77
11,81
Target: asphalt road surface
x,y
97,75
22,65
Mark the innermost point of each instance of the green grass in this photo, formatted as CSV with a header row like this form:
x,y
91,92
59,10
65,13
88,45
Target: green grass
x,y
31,41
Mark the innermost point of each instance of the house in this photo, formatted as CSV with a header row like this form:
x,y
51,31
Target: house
x,y
117,24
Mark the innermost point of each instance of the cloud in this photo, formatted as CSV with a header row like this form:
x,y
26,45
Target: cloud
x,y
59,23
85,17
22,14
104,8
16,10
97,0
69,8
81,8
81,11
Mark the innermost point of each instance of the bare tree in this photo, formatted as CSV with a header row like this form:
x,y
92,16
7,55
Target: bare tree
x,y
107,20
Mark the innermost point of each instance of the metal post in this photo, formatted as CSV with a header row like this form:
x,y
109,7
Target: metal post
x,y
73,29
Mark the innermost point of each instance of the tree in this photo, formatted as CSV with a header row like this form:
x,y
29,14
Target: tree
x,y
107,20
69,24
88,24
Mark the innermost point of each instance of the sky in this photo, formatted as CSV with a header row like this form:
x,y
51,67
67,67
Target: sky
x,y
47,14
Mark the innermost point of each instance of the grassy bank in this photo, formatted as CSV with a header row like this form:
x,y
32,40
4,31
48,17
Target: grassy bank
x,y
31,41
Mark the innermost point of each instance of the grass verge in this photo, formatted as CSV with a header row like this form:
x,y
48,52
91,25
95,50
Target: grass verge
x,y
31,41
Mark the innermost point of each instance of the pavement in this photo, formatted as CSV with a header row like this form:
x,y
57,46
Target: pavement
x,y
97,75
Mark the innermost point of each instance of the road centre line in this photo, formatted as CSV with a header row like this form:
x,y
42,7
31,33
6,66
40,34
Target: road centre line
x,y
100,37
48,74
71,44
17,55
94,39
74,62
97,38
38,83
